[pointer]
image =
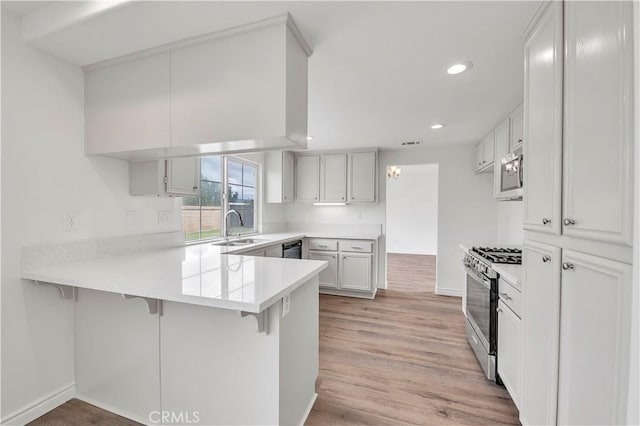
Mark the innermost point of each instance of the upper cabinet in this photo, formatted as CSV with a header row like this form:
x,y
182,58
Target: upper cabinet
x,y
578,179
307,184
128,106
279,177
485,153
177,177
238,90
362,175
598,127
543,124
333,178
516,136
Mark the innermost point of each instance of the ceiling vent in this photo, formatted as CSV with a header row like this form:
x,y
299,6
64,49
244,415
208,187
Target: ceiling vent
x,y
411,143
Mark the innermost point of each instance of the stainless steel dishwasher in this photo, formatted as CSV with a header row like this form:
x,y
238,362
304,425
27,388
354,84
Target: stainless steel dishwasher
x,y
292,250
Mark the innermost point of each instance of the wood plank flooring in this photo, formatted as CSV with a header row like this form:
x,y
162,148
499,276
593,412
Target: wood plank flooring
x,y
402,358
399,359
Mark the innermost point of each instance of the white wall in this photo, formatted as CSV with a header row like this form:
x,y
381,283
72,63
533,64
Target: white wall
x,y
412,210
466,208
44,174
510,219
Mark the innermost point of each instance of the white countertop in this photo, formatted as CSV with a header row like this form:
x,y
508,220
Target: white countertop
x,y
200,274
510,273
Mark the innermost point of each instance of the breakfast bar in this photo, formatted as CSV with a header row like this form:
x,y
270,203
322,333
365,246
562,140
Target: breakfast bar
x,y
189,334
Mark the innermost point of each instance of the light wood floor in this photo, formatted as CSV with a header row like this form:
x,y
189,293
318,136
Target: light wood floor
x,y
399,359
402,358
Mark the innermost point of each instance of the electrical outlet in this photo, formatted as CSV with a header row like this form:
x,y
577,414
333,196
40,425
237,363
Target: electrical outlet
x,y
163,217
286,305
71,222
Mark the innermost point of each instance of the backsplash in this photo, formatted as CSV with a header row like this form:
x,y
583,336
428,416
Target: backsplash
x,y
509,222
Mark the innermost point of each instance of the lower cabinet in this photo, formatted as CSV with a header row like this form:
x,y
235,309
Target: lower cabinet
x,y
355,271
329,276
577,318
352,266
595,317
273,251
509,359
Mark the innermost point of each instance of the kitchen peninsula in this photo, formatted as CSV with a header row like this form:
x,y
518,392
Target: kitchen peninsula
x,y
222,338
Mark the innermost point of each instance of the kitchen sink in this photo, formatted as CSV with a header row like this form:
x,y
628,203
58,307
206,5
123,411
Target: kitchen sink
x,y
239,243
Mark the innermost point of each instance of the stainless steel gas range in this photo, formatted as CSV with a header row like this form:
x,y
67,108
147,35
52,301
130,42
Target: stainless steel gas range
x,y
482,302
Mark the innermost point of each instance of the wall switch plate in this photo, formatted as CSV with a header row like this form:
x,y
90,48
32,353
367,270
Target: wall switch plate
x,y
71,222
132,218
163,217
286,305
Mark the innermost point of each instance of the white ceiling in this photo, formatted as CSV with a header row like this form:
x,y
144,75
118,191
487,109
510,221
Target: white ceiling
x,y
378,72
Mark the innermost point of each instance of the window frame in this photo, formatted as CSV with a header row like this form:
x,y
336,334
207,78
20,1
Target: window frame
x,y
224,207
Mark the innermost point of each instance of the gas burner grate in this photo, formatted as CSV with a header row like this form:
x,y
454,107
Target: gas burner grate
x,y
507,255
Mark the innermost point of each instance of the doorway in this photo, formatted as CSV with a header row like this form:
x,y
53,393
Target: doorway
x,y
412,227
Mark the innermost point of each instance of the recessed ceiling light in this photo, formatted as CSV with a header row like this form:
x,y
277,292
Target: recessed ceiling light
x,y
437,126
459,68
309,138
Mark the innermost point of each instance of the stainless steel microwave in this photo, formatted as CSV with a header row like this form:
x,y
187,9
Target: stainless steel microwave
x,y
511,176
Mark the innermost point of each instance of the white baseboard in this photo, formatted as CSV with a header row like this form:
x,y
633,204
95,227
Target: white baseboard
x,y
309,408
448,292
113,409
382,285
43,406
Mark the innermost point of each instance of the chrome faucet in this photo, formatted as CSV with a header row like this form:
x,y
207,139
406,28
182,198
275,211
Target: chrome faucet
x,y
226,216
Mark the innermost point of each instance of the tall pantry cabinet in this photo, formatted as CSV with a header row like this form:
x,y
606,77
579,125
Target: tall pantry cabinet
x,y
578,217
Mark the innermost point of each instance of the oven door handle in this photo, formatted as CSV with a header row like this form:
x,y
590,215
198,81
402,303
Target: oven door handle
x,y
485,282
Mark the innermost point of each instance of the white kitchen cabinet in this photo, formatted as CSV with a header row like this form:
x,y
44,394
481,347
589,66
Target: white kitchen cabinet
x,y
333,178
329,276
540,332
355,271
516,135
501,148
509,365
176,177
279,177
246,87
127,105
362,174
543,123
273,251
485,152
307,172
598,125
594,344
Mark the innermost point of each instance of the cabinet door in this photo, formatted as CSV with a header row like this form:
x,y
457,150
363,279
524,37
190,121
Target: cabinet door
x,y
598,137
509,366
488,150
355,271
127,106
543,124
594,348
362,176
501,149
183,176
329,276
333,186
228,89
517,131
540,332
287,177
479,156
275,251
308,178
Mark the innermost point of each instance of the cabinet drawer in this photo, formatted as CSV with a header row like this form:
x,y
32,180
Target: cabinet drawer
x,y
321,244
357,246
510,296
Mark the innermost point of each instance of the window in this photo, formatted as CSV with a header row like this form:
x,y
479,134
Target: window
x,y
226,183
